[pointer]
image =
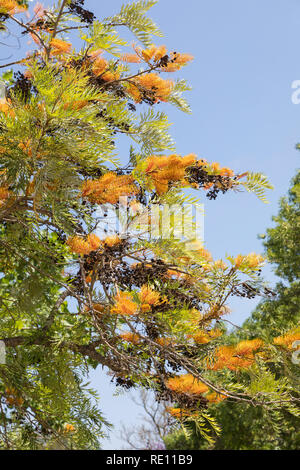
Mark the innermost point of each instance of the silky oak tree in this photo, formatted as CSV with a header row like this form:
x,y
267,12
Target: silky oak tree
x,y
73,295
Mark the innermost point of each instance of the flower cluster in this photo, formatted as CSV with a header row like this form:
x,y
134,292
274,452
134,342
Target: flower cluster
x,y
11,7
130,337
150,86
158,55
186,384
4,194
204,337
60,47
124,305
100,68
287,340
167,170
252,261
238,357
109,188
146,299
84,246
13,398
5,107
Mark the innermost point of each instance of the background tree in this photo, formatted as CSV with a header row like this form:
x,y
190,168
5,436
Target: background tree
x,y
149,309
156,424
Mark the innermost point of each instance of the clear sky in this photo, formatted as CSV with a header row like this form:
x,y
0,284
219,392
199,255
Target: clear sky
x,y
246,58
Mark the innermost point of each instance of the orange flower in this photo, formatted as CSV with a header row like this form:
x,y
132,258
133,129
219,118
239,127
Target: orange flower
x,y
13,398
131,337
112,241
287,340
214,397
148,296
130,58
176,61
6,108
204,337
69,428
165,170
247,347
227,358
83,247
99,66
164,342
60,47
226,172
186,384
178,413
25,145
153,86
110,76
76,105
109,188
4,193
11,7
124,305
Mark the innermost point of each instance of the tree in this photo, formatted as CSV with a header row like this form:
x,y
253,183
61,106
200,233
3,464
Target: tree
x,y
74,296
156,424
246,427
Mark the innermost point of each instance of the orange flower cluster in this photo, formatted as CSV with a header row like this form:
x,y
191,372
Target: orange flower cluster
x,y
176,61
109,188
179,413
156,53
148,298
204,337
25,145
287,340
13,398
76,105
130,337
11,6
5,107
164,342
152,85
83,246
241,356
247,347
112,241
69,428
131,58
251,261
186,384
98,308
4,194
60,47
124,305
214,397
100,68
214,168
166,170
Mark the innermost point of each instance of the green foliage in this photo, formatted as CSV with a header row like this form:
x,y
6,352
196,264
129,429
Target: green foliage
x,y
133,16
257,183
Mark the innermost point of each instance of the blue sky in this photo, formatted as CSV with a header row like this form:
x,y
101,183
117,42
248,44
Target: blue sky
x,y
246,58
